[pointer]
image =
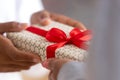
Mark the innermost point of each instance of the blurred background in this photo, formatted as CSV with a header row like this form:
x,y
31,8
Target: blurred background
x,y
81,10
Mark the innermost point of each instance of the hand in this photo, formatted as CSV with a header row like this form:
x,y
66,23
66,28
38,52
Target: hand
x,y
12,59
45,17
54,65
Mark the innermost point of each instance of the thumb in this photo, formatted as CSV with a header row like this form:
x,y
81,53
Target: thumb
x,y
45,21
12,27
25,56
49,63
45,18
54,63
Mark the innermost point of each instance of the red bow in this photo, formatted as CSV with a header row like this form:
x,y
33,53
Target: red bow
x,y
77,37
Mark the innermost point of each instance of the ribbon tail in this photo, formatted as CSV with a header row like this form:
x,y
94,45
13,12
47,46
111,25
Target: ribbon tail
x,y
86,35
51,49
82,45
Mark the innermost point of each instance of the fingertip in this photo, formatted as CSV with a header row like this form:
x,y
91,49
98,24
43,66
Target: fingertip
x,y
80,26
26,56
16,27
45,21
35,58
22,25
45,64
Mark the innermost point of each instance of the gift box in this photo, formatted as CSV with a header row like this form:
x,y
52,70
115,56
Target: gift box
x,y
54,40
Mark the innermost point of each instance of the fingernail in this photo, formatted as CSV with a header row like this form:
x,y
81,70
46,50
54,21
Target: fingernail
x,y
45,64
23,25
45,21
81,30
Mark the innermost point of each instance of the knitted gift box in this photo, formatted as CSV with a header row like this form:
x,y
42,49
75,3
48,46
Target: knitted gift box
x,y
32,42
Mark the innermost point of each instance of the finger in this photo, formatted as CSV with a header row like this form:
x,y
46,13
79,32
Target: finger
x,y
44,18
54,63
44,14
7,69
78,25
58,17
12,68
51,76
16,55
21,63
12,27
24,56
66,20
49,64
45,21
15,66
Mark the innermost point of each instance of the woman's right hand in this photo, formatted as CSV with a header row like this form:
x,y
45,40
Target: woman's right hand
x,y
54,65
12,59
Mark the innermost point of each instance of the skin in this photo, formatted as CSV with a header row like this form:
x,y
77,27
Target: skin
x,y
12,59
44,17
54,65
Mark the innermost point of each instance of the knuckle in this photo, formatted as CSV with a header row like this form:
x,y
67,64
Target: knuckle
x,y
14,24
14,57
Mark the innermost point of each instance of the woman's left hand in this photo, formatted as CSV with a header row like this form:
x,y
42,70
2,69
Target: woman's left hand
x,y
44,18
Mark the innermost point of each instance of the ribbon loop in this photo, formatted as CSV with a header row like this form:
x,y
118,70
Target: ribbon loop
x,y
56,35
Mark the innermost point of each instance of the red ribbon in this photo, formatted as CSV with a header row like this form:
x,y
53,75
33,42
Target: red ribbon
x,y
77,38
